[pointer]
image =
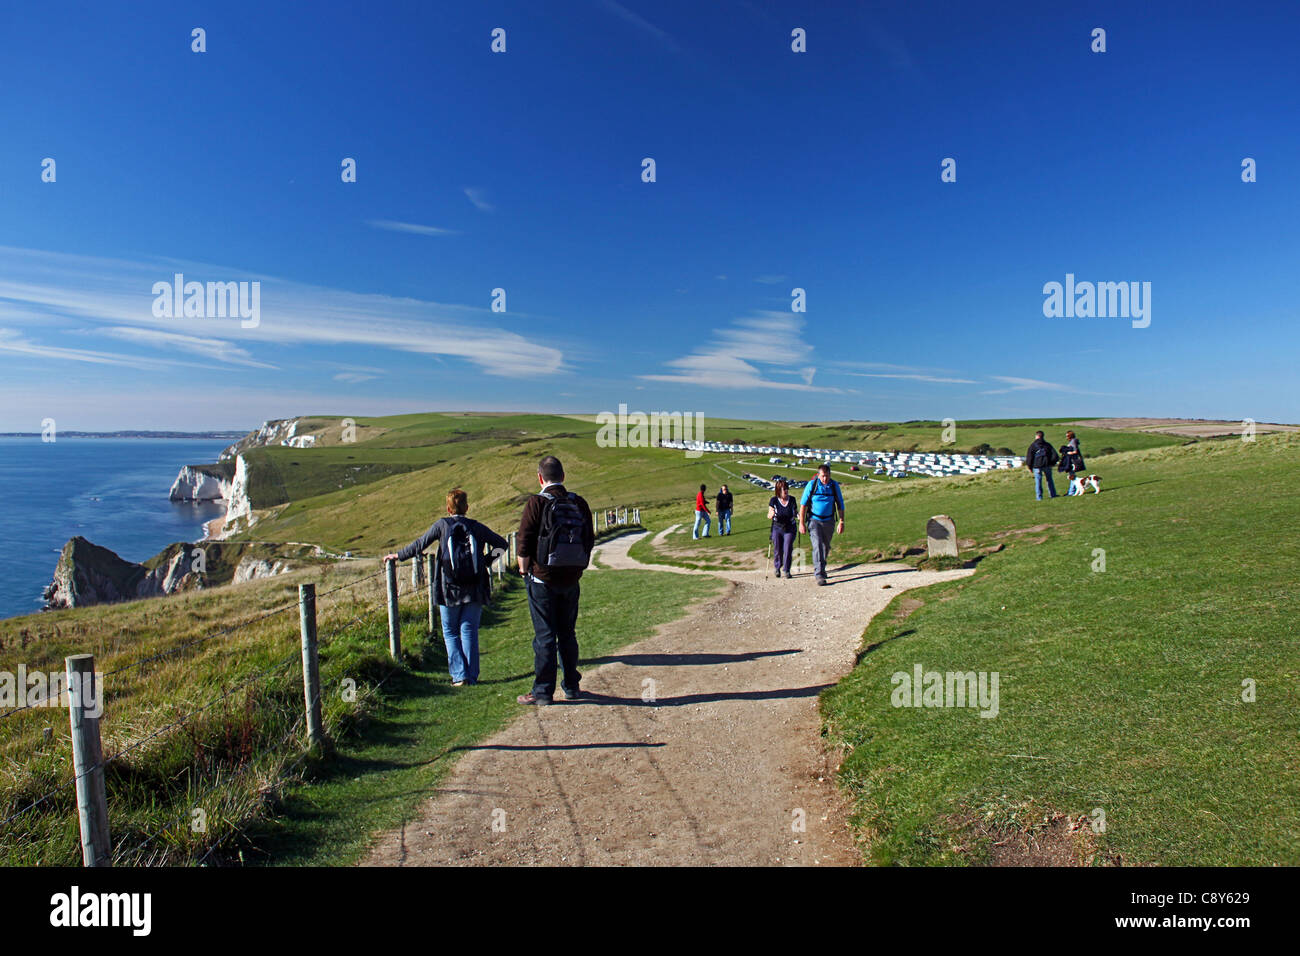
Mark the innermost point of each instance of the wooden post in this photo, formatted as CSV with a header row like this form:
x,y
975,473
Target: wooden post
x,y
433,604
85,699
636,515
310,664
417,574
394,623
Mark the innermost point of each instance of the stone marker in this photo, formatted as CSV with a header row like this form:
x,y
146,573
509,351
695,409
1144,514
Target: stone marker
x,y
941,537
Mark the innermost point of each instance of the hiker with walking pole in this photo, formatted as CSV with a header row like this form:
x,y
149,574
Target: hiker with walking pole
x,y
822,504
461,580
782,511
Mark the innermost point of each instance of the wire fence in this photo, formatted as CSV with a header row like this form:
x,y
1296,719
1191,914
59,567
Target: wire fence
x,y
351,613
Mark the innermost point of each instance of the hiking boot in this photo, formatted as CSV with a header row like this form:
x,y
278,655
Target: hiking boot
x,y
787,573
530,699
571,694
821,582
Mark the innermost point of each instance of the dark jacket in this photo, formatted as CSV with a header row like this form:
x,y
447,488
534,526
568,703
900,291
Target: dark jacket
x,y
787,516
490,544
1041,454
530,525
1071,457
724,501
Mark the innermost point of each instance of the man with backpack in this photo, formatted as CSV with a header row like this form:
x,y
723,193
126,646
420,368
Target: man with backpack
x,y
724,511
554,543
822,503
1040,459
461,582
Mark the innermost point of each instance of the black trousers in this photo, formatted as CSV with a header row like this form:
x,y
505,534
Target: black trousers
x,y
555,623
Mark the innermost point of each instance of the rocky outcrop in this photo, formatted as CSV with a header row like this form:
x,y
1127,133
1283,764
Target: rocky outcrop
x,y
251,568
281,431
88,574
203,483
239,507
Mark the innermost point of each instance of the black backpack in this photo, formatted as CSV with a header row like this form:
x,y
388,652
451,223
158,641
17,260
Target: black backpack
x,y
559,539
460,559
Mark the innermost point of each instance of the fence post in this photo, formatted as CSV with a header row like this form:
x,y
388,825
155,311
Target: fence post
x,y
310,664
636,515
85,698
394,623
417,574
433,605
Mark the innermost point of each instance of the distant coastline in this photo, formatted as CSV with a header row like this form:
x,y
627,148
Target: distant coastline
x,y
201,436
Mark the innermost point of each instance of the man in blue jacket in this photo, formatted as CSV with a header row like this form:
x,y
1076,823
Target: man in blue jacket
x,y
822,503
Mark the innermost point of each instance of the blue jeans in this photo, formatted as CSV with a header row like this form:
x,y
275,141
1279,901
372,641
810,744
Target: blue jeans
x,y
724,522
701,516
1039,474
460,633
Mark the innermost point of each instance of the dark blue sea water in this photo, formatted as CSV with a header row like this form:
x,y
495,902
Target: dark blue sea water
x,y
111,491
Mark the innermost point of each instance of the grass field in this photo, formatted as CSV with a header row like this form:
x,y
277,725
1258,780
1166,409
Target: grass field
x,y
1121,690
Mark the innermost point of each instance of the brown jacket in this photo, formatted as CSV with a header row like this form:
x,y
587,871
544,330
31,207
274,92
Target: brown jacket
x,y
529,527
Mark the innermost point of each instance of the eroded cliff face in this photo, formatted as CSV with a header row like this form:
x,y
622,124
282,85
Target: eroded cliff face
x,y
281,431
88,574
202,483
239,508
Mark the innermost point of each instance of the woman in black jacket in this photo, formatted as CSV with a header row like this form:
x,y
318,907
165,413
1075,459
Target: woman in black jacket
x,y
461,583
1071,458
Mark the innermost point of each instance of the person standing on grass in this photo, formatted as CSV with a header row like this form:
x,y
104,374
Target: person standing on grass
x,y
822,503
701,514
724,511
783,512
554,543
1071,458
461,582
1039,459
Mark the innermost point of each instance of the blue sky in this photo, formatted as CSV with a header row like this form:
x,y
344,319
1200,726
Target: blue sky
x,y
522,171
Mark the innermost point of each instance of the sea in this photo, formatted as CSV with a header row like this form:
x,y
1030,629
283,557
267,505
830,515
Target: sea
x,y
111,491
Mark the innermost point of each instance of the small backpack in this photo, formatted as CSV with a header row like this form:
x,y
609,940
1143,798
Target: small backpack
x,y
559,539
460,559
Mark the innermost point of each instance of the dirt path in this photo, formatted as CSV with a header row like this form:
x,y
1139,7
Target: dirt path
x,y
716,769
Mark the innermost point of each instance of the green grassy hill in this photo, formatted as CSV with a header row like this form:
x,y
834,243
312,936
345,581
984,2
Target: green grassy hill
x,y
1120,689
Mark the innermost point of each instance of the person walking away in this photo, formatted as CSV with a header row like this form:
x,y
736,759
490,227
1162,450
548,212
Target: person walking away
x,y
701,514
822,504
462,584
554,543
783,512
1039,459
724,511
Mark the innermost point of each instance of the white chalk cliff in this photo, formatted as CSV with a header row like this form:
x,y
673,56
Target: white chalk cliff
x,y
195,484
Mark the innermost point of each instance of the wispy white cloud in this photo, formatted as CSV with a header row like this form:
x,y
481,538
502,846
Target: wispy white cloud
x,y
58,289
216,349
771,279
1015,384
410,227
479,198
353,378
732,360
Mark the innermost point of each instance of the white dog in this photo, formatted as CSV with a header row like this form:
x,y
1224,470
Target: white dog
x,y
1080,484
